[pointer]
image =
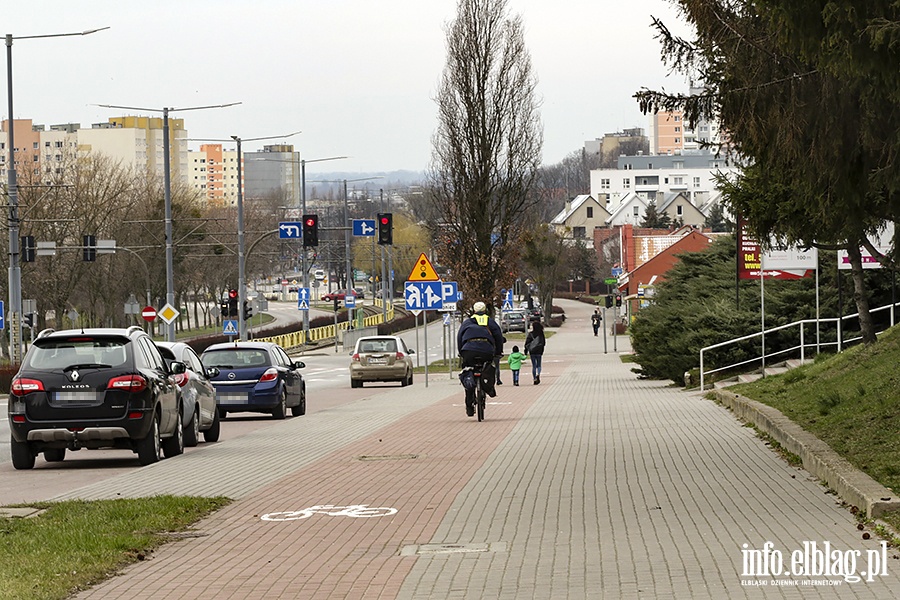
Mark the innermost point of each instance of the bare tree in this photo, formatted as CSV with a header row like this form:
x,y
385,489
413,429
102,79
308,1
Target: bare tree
x,y
487,148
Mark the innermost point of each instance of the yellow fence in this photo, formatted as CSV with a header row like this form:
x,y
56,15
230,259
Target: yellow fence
x,y
319,334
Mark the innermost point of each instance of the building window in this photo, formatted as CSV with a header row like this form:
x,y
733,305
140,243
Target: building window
x,y
35,146
46,144
59,144
604,184
677,117
678,181
590,212
34,158
678,164
678,130
578,232
626,183
636,210
679,210
677,141
696,182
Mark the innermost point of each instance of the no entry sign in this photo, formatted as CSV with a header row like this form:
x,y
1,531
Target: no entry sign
x,y
149,314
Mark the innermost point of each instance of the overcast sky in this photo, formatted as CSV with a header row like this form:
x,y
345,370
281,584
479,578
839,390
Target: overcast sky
x,y
356,77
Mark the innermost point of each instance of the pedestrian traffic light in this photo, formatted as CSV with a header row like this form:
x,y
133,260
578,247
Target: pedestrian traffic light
x,y
90,248
223,307
27,248
386,229
28,320
248,311
618,300
310,231
232,303
609,301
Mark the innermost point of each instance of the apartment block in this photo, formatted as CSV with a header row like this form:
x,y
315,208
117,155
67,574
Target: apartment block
x,y
213,173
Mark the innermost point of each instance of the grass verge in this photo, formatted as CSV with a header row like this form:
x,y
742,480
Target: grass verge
x,y
851,401
75,544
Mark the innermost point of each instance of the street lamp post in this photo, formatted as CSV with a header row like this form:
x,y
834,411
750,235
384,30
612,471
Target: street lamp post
x,y
170,249
15,270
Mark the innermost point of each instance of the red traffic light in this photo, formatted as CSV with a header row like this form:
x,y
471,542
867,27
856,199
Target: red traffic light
x,y
385,220
310,222
232,293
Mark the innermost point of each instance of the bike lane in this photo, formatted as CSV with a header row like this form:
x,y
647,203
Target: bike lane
x,y
417,465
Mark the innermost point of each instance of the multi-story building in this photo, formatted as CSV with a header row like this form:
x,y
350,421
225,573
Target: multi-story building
x,y
131,142
671,134
214,174
273,170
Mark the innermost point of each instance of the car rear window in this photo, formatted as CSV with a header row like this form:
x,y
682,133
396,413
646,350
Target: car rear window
x,y
59,353
366,346
236,358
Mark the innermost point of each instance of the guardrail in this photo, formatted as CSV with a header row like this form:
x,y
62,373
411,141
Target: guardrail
x,y
318,334
839,342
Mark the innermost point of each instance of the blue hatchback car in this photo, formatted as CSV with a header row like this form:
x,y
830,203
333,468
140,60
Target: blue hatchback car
x,y
256,377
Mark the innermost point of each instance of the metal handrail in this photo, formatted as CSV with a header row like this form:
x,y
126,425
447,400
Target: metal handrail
x,y
841,343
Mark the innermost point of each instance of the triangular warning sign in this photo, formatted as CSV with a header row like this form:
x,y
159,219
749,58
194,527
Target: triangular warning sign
x,y
423,271
303,305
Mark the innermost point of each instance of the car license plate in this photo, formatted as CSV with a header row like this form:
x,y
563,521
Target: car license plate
x,y
377,361
231,398
75,397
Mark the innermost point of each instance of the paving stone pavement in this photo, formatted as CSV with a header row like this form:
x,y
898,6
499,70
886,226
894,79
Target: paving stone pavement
x,y
594,484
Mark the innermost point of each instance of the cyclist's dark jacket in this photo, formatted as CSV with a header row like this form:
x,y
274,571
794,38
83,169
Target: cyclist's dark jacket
x,y
485,339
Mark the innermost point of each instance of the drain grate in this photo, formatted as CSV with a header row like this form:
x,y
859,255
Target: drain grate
x,y
388,457
434,549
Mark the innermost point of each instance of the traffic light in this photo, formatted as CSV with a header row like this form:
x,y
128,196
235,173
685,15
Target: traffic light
x,y
248,311
27,248
90,248
224,308
310,230
618,300
385,229
28,320
232,303
609,301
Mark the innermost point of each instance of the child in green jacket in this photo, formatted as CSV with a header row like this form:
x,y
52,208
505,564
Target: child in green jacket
x,y
515,363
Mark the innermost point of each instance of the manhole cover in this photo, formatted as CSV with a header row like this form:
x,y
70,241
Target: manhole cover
x,y
388,457
432,549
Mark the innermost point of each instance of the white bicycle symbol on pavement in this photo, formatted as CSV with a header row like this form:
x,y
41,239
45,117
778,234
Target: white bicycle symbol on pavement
x,y
354,510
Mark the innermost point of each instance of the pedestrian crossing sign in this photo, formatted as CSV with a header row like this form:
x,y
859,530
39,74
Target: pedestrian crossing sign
x,y
229,327
423,270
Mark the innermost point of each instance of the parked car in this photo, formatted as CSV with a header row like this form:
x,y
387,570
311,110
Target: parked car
x,y
514,321
336,295
360,292
381,358
198,395
256,377
95,388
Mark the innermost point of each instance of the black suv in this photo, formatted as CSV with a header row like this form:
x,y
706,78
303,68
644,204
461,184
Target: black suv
x,y
94,388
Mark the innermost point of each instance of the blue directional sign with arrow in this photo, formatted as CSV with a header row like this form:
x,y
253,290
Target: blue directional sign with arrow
x,y
291,230
303,298
423,295
364,227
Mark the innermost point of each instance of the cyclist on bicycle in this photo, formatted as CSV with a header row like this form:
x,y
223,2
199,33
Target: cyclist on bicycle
x,y
479,340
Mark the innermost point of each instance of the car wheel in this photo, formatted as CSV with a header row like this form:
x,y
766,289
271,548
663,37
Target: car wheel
x,y
300,409
22,456
355,384
280,411
192,431
410,381
55,454
222,413
212,434
173,446
148,448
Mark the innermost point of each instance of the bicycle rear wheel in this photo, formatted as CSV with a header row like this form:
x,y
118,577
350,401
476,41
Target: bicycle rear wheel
x,y
479,401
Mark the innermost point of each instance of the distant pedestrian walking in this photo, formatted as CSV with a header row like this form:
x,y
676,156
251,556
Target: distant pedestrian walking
x,y
515,363
596,320
534,349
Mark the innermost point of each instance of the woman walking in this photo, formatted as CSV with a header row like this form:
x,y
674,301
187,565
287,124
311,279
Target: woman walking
x,y
534,348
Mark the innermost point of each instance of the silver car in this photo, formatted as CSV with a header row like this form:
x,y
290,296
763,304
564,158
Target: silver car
x,y
381,358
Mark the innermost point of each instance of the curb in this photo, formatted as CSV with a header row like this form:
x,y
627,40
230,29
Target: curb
x,y
852,485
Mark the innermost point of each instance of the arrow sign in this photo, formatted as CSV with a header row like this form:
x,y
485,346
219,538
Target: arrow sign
x,y
303,298
290,230
364,227
423,295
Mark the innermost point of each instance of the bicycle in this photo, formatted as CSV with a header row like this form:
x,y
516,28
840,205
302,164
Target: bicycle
x,y
480,394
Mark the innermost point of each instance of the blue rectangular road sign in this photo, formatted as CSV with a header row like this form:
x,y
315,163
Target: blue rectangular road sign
x,y
364,227
423,295
290,230
507,305
2,316
303,298
449,291
350,301
230,327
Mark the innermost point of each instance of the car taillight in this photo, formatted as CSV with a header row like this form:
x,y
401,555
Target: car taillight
x,y
399,356
271,374
22,386
135,414
128,383
355,358
181,379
